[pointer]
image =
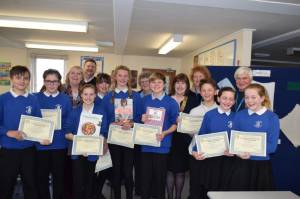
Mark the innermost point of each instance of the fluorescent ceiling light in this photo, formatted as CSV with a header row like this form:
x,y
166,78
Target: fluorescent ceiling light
x,y
62,47
276,2
43,24
170,44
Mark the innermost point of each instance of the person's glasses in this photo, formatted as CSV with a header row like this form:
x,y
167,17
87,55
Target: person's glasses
x,y
51,82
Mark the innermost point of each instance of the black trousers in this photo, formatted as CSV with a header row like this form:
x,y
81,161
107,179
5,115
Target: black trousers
x,y
137,169
100,179
14,162
83,178
51,161
153,173
122,160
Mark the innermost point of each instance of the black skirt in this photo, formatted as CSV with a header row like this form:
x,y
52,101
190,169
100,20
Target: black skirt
x,y
178,161
250,175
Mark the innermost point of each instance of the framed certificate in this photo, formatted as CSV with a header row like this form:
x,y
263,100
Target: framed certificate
x,y
89,124
145,134
254,143
212,144
90,145
189,124
156,116
119,136
104,162
53,115
36,128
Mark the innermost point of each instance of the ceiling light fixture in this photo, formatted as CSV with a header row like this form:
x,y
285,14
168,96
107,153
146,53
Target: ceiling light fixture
x,y
62,47
43,24
276,2
170,44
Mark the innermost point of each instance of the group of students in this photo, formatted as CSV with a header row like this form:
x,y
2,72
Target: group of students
x,y
156,168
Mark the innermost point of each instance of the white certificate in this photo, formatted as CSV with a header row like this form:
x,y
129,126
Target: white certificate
x,y
36,128
145,134
89,124
104,162
248,142
189,123
119,136
89,145
53,115
212,144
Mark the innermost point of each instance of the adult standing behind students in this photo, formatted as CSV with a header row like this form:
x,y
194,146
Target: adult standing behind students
x,y
179,155
74,80
89,70
51,158
243,78
198,73
144,83
17,154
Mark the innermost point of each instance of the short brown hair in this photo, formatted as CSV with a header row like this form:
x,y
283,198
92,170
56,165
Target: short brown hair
x,y
157,75
181,77
201,69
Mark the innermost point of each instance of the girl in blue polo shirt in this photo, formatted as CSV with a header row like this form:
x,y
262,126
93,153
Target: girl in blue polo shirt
x,y
83,167
209,174
154,159
252,172
51,158
122,157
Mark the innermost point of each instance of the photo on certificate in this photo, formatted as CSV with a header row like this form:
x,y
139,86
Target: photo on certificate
x,y
212,144
156,116
123,109
89,124
189,124
145,134
254,143
36,129
53,115
119,136
89,145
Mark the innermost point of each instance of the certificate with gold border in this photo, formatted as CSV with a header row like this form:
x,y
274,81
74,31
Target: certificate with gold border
x,y
53,115
145,134
212,144
89,145
189,124
254,143
36,128
119,136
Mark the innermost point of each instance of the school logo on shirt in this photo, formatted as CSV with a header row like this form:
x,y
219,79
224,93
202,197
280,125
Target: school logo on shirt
x,y
58,106
258,124
28,110
229,124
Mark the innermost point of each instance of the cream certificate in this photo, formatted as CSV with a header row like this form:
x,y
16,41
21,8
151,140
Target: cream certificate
x,y
248,142
36,129
53,115
189,123
89,145
212,144
119,136
104,162
145,134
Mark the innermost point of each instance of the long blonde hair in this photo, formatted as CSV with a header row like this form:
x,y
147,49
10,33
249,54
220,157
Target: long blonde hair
x,y
262,92
114,82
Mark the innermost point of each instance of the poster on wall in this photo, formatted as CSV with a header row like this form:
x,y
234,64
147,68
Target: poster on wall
x,y
99,61
4,73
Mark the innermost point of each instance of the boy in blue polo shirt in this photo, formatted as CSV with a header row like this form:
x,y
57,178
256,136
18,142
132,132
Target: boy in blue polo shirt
x,y
17,154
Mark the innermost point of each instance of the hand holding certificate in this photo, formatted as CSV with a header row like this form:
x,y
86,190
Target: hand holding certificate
x,y
212,144
119,136
253,143
36,129
87,145
189,124
145,134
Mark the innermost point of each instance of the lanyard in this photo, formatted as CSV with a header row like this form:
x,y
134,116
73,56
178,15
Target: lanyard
x,y
240,104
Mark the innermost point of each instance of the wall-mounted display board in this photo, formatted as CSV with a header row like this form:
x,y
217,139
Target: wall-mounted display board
x,y
222,55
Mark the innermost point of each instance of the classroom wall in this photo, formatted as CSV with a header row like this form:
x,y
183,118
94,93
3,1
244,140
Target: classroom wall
x,y
243,49
23,57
